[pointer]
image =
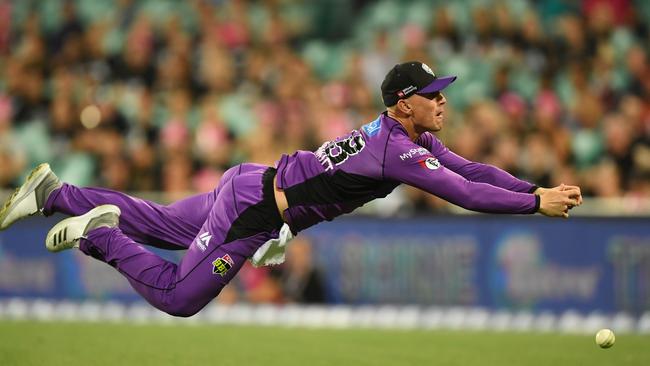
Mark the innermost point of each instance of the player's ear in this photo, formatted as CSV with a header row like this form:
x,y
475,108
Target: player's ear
x,y
404,107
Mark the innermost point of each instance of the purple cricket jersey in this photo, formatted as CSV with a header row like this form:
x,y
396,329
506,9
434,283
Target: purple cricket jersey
x,y
370,162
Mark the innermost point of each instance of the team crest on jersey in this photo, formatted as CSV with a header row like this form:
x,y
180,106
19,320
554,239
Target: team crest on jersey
x,y
372,128
430,163
222,264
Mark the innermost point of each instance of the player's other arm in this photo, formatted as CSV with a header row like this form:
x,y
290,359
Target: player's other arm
x,y
485,173
427,173
474,171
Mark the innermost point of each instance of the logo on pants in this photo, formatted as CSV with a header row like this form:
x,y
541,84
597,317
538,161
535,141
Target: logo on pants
x,y
222,264
203,241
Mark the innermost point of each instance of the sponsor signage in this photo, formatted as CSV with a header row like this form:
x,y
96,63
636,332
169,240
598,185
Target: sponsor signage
x,y
495,262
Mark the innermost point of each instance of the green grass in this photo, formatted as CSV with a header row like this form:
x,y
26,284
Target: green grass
x,y
71,344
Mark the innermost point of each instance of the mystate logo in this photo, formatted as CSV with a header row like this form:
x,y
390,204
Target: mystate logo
x,y
430,163
414,153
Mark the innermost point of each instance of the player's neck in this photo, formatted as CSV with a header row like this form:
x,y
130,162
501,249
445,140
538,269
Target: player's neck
x,y
407,123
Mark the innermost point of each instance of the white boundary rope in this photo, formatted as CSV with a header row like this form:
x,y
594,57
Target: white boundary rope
x,y
335,317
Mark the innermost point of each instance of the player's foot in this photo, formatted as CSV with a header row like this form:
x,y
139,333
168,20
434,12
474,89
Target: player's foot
x,y
29,199
67,233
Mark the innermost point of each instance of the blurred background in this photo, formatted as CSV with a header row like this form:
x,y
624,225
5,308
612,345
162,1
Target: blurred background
x,y
159,98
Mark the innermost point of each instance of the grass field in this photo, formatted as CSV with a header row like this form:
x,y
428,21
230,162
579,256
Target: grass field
x,y
72,344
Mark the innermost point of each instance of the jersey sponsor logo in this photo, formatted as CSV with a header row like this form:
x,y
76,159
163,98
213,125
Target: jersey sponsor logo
x,y
414,153
333,153
203,241
430,163
222,264
372,128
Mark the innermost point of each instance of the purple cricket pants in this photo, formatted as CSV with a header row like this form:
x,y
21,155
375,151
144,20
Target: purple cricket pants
x,y
220,230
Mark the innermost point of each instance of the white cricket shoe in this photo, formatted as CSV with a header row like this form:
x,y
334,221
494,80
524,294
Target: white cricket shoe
x,y
67,233
29,199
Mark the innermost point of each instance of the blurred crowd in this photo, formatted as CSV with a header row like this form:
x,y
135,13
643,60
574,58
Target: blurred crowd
x,y
166,95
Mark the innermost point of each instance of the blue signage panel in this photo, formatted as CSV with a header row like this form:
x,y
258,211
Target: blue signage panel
x,y
531,263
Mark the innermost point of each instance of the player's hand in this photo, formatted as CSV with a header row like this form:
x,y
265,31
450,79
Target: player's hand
x,y
556,201
575,191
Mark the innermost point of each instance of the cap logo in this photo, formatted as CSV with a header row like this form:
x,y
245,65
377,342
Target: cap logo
x,y
406,91
428,69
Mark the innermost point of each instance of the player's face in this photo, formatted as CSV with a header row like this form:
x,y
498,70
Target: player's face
x,y
429,111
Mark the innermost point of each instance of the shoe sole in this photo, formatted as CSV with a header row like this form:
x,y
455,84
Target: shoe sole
x,y
33,180
67,236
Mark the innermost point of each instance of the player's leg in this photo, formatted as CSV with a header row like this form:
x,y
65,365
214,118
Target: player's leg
x,y
170,227
178,289
97,234
144,221
243,218
43,193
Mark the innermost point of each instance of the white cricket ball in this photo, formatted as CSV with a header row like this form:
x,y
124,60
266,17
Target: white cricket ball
x,y
605,338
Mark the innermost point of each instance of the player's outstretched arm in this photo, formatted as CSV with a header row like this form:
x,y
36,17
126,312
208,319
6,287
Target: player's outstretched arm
x,y
556,202
474,171
425,172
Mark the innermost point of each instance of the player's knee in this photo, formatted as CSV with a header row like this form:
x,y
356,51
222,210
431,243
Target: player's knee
x,y
182,313
182,310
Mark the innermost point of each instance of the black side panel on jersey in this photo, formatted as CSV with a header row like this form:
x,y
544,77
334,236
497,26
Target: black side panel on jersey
x,y
260,217
340,187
